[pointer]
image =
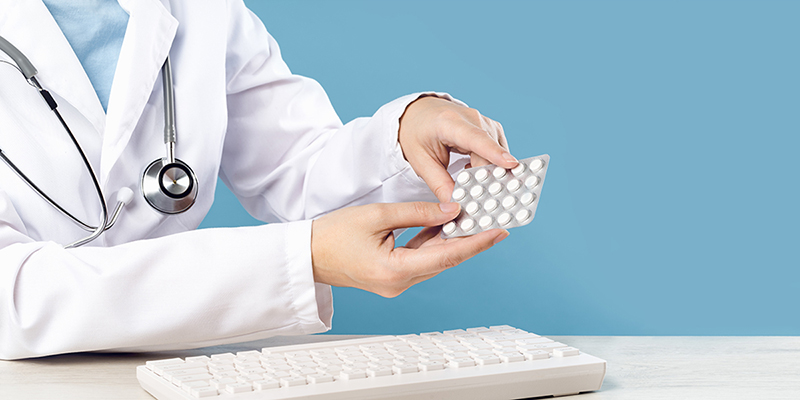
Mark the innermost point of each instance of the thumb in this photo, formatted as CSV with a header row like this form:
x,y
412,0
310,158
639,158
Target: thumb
x,y
408,215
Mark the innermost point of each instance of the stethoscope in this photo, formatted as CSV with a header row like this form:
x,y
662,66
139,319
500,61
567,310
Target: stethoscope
x,y
168,184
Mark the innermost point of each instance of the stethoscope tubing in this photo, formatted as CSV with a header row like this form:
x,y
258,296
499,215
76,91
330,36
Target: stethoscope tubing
x,y
163,201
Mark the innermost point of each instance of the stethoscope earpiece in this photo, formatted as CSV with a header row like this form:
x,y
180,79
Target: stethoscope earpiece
x,y
169,187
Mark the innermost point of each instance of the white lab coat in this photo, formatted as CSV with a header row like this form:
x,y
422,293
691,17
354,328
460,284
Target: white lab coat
x,y
153,282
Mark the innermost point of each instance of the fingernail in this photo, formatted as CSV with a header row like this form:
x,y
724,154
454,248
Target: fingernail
x,y
499,238
508,157
448,208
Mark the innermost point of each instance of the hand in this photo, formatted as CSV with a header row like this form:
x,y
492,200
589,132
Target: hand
x,y
432,127
354,246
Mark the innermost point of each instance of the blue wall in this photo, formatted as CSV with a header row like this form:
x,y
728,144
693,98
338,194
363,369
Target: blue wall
x,y
674,129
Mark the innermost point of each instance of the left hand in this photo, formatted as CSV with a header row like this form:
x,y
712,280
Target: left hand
x,y
432,127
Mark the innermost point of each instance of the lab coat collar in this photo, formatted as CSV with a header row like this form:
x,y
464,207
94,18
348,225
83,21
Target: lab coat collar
x,y
29,26
148,39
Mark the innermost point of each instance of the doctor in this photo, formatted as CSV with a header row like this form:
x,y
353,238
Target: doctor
x,y
334,193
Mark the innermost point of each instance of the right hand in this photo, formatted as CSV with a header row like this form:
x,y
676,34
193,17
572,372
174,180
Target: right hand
x,y
354,246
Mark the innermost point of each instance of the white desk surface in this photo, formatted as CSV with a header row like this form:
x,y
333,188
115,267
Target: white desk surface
x,y
639,367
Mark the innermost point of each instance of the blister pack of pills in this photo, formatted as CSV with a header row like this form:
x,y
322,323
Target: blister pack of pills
x,y
495,197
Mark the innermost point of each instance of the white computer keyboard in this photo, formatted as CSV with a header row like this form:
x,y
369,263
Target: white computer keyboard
x,y
499,362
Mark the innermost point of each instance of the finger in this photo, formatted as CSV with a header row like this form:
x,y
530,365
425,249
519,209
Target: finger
x,y
434,259
436,177
501,135
478,161
471,139
391,216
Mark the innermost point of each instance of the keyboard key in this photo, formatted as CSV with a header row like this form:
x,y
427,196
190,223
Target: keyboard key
x,y
226,374
223,356
266,384
360,359
319,378
188,386
566,352
181,379
405,369
433,357
548,346
356,366
536,355
161,363
204,392
219,384
487,359
502,327
511,357
172,368
504,350
539,340
330,370
234,388
379,371
293,381
353,374
282,374
220,368
320,352
328,363
478,346
461,363
304,371
249,378
431,365
457,355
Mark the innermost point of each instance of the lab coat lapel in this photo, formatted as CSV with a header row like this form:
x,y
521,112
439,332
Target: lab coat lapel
x,y
30,27
148,39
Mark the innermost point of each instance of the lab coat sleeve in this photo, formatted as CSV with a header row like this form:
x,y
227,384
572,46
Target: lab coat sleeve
x,y
287,156
185,290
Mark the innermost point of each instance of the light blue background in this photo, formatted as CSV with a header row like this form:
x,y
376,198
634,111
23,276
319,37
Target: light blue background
x,y
670,205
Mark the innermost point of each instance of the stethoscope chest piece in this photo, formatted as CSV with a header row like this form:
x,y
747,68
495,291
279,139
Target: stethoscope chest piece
x,y
169,187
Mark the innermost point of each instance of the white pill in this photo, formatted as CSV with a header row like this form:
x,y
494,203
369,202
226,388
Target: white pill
x,y
472,208
499,172
485,221
509,202
513,185
490,205
523,215
536,164
459,194
504,218
463,177
531,182
519,169
495,188
449,228
476,191
481,175
467,224
527,198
